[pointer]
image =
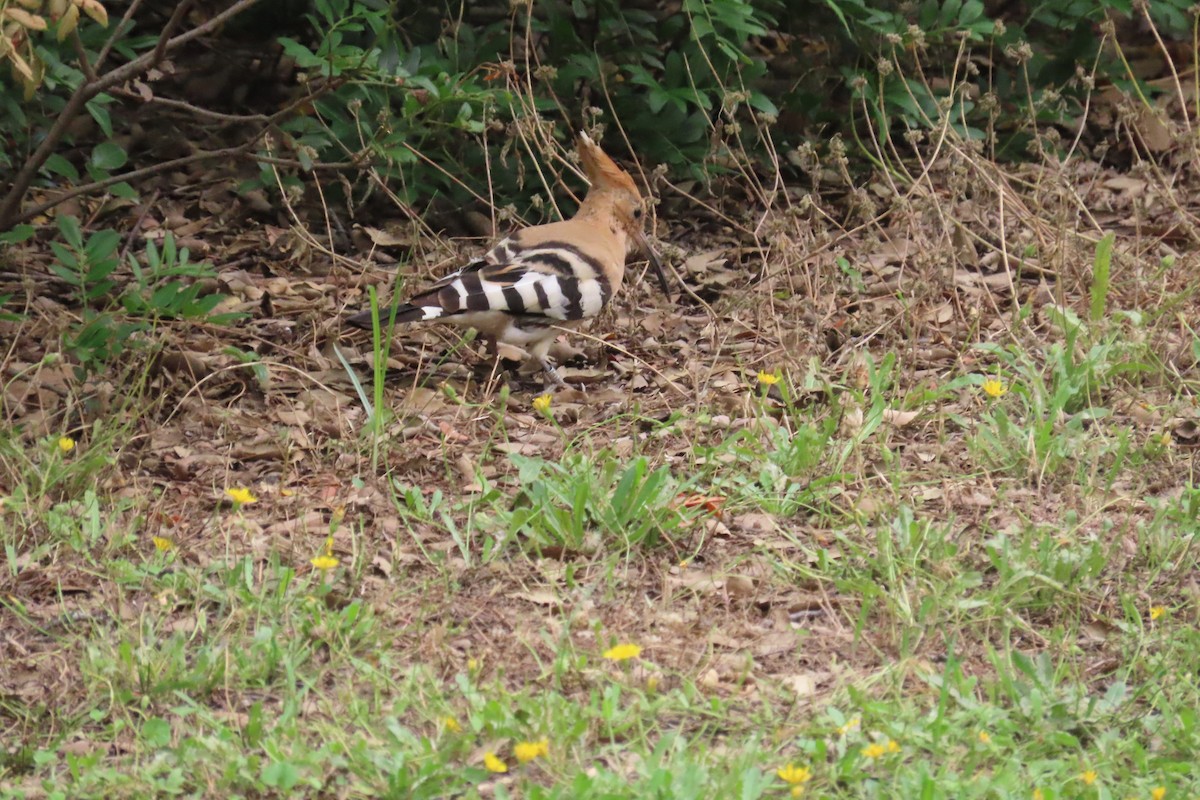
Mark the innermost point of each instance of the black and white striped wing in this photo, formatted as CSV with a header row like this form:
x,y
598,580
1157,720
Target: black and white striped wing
x,y
553,280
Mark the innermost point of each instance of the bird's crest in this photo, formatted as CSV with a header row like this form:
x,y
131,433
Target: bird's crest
x,y
601,170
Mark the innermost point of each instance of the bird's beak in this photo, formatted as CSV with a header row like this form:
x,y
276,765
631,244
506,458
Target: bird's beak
x,y
654,262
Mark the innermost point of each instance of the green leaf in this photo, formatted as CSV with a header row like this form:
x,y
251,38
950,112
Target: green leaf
x,y
58,165
760,102
124,191
68,226
157,732
280,775
99,113
108,155
20,233
1101,272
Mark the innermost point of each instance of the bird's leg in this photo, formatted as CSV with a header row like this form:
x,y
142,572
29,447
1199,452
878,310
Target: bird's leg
x,y
552,376
489,346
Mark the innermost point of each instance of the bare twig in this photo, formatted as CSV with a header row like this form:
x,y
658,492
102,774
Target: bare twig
x,y
192,109
160,49
117,30
144,172
85,66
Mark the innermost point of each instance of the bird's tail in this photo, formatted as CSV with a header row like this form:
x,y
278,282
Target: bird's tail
x,y
405,312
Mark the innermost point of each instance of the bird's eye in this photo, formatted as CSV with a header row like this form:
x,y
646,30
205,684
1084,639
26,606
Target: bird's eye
x,y
637,213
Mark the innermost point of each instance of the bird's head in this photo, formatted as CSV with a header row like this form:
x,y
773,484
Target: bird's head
x,y
613,193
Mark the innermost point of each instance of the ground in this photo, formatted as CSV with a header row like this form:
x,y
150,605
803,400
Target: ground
x,y
895,498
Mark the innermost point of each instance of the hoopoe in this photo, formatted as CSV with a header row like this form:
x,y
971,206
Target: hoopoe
x,y
547,276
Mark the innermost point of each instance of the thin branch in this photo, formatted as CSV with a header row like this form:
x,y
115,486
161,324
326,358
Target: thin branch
x,y
116,33
314,167
191,109
143,172
160,49
89,73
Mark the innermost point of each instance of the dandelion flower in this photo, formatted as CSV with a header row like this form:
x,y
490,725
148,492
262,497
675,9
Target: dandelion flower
x,y
893,746
66,444
528,751
1157,612
768,378
1037,794
1088,777
984,737
793,774
1158,792
494,764
993,387
241,496
541,404
161,543
874,750
797,790
325,562
473,665
451,724
623,652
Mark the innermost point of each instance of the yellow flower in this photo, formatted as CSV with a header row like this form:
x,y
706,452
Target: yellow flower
x,y
541,404
162,543
325,563
874,750
993,387
1037,794
451,724
66,444
893,746
793,774
528,751
1158,792
623,652
797,790
473,665
984,737
851,725
241,496
494,764
1088,777
336,518
1157,612
768,378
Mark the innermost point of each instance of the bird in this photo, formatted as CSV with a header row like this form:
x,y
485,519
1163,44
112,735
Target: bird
x,y
544,277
